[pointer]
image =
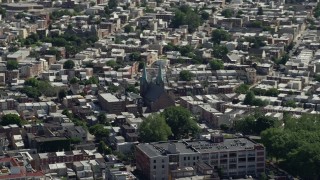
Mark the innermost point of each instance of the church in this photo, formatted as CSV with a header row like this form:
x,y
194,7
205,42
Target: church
x,y
153,91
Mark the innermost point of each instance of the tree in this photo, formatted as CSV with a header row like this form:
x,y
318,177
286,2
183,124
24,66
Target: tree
x,y
250,97
135,56
181,122
128,29
92,3
67,113
242,89
274,92
186,75
111,63
113,4
205,15
10,119
317,78
255,125
316,11
32,82
184,50
290,103
265,122
245,125
69,64
11,65
102,118
3,12
132,88
103,148
91,80
255,24
74,80
31,92
20,15
62,94
219,35
227,13
154,128
260,11
220,51
99,131
13,49
297,145
112,88
224,127
186,16
75,140
216,64
107,10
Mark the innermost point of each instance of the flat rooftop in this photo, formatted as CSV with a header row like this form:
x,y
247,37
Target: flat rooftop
x,y
109,97
192,147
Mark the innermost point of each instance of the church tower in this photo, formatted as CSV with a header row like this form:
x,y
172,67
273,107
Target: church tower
x,y
159,79
144,81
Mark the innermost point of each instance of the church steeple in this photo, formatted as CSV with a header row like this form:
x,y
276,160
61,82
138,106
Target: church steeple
x,y
144,74
143,81
159,79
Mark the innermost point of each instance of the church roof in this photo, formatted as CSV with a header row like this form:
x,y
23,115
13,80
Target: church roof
x,y
154,92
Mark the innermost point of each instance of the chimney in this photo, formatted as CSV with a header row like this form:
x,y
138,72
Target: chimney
x,y
217,138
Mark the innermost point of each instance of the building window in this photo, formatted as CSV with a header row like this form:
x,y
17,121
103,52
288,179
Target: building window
x,y
162,166
184,158
154,167
154,161
194,158
163,160
188,158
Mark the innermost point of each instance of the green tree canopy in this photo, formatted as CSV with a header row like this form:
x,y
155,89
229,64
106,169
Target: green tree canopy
x,y
128,29
62,94
69,64
99,131
242,89
227,13
290,103
112,4
111,63
186,16
36,87
248,100
102,118
10,119
154,128
181,121
186,75
252,125
219,35
216,64
132,88
205,15
3,12
135,56
297,145
103,148
11,65
220,51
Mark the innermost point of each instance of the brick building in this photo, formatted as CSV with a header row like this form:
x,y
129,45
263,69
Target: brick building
x,y
236,157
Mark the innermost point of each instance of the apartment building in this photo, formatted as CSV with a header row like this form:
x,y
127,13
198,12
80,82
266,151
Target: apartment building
x,y
41,160
236,157
111,103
